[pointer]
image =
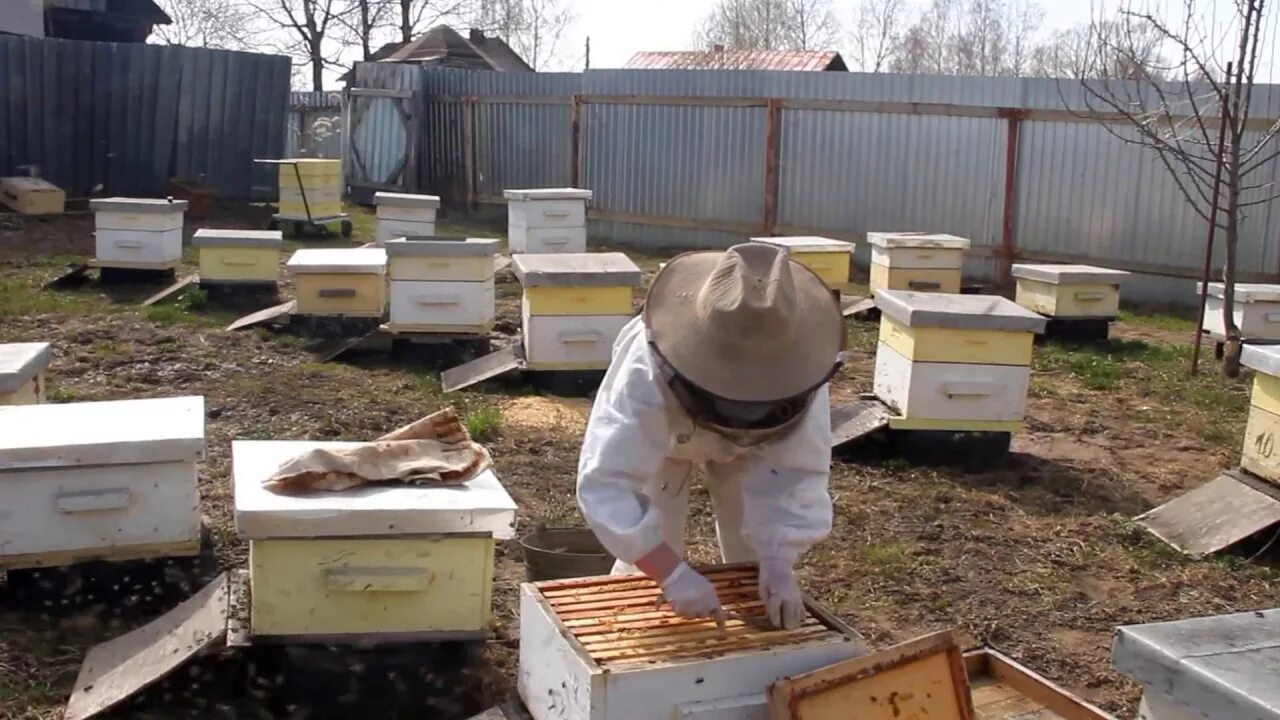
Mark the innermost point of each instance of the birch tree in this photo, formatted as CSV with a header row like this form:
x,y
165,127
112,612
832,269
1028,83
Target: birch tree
x,y
770,25
877,32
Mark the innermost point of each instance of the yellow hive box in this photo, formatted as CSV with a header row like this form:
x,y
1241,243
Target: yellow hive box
x,y
348,282
1069,291
238,256
22,369
387,563
577,284
829,259
32,196
1260,455
579,300
933,344
314,172
923,262
939,280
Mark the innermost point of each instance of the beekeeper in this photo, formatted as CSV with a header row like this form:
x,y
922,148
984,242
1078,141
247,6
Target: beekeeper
x,y
726,368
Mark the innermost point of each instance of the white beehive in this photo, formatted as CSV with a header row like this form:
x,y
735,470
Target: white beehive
x,y
550,220
441,284
138,233
954,362
924,262
339,282
1069,292
99,481
22,368
389,562
573,307
403,215
829,259
1256,310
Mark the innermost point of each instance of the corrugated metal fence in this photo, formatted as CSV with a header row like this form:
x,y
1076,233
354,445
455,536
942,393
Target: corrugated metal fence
x,y
131,116
706,158
315,125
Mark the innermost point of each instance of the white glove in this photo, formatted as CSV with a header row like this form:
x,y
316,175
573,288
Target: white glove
x,y
781,595
690,594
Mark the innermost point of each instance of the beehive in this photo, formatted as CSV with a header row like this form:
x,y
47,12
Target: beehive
x,y
32,196
1069,292
138,232
925,262
552,220
442,285
401,215
1260,455
829,259
22,367
605,648
574,306
346,282
386,562
1256,310
313,184
99,481
238,256
954,362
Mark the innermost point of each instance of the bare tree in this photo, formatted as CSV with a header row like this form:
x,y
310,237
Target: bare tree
x,y
1091,51
970,37
877,32
770,25
1023,18
308,27
413,17
224,24
1197,122
361,22
533,28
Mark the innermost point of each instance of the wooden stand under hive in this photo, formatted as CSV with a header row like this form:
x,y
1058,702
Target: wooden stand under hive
x,y
22,368
606,648
552,220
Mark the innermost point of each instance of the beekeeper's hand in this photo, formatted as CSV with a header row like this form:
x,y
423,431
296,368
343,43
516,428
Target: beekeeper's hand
x,y
690,594
781,594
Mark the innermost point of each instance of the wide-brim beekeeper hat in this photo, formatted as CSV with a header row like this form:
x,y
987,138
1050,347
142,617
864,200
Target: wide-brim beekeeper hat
x,y
747,324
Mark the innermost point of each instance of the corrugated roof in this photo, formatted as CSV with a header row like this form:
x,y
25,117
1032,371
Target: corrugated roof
x,y
801,60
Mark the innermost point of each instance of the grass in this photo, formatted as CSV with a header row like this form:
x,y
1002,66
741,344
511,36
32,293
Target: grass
x,y
1174,320
483,423
894,555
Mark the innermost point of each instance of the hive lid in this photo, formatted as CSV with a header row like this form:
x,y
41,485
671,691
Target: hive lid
x,y
480,506
19,362
807,243
210,237
548,194
118,432
338,260
1245,292
442,246
609,269
889,240
1219,667
138,205
1070,274
1263,358
960,312
392,199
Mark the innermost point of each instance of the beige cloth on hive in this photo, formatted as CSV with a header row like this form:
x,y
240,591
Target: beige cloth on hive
x,y
436,450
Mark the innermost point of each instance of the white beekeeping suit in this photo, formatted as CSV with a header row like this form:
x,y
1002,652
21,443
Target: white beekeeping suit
x,y
727,370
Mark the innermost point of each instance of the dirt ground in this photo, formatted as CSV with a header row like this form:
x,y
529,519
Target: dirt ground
x,y
1036,557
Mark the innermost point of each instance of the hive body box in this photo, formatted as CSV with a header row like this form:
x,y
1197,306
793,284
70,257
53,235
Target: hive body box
x,y
829,259
954,362
1260,455
600,649
138,233
391,562
22,367
552,220
1213,667
441,285
1256,310
99,481
574,306
32,196
401,215
231,257
924,262
1069,292
322,181
346,282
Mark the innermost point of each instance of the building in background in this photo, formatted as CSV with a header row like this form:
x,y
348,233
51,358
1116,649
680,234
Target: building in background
x,y
720,59
22,17
129,21
444,46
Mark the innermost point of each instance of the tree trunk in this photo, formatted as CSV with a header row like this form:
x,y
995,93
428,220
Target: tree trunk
x,y
317,68
406,28
1231,356
365,30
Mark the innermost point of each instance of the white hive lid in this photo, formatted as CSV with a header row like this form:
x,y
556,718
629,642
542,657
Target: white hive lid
x,y
481,505
338,260
441,246
19,362
1070,274
807,243
118,432
1245,292
548,194
958,312
608,269
391,199
1263,358
155,206
211,237
888,240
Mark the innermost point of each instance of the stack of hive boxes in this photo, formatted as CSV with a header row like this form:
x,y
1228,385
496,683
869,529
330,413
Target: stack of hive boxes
x,y
574,306
340,282
1256,311
238,257
314,185
547,221
925,262
138,233
22,367
954,362
1260,455
442,284
401,215
829,259
386,563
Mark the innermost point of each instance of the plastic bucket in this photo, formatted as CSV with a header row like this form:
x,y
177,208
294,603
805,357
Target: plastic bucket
x,y
554,553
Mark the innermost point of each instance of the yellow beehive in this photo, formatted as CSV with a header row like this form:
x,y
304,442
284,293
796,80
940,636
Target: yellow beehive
x,y
829,259
1260,455
386,563
923,262
346,282
313,184
238,256
1069,292
22,368
32,196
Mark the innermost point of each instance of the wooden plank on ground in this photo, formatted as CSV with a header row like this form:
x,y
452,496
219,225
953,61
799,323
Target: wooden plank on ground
x,y
370,340
857,419
171,291
1216,515
74,275
481,369
284,309
854,309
